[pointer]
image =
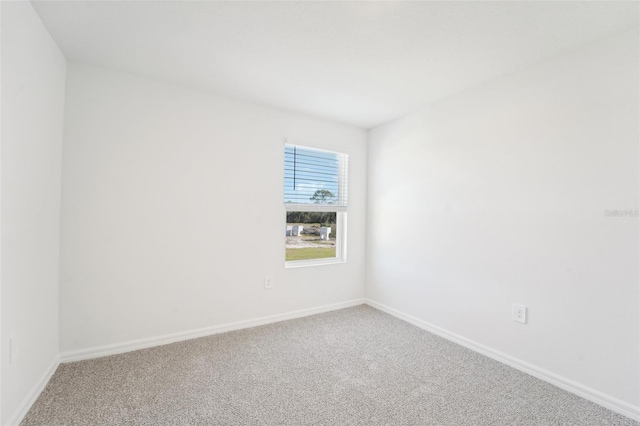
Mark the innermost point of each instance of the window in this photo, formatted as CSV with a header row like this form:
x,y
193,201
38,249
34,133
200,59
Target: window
x,y
315,199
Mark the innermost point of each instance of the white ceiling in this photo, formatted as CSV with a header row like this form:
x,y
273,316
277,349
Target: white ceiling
x,y
362,63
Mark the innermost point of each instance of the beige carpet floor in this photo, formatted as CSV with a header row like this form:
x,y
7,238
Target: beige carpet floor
x,y
356,366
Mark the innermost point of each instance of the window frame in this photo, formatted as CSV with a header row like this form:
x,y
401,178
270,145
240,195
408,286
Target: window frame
x,y
341,245
340,209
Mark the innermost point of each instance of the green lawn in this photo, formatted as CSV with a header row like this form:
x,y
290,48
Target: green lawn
x,y
310,253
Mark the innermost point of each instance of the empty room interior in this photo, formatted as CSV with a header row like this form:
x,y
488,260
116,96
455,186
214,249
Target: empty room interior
x,y
320,213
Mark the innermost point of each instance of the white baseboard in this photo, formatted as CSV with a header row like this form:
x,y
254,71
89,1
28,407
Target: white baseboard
x,y
583,391
33,394
607,401
134,345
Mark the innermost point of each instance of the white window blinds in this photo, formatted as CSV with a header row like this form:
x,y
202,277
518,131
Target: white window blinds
x,y
314,180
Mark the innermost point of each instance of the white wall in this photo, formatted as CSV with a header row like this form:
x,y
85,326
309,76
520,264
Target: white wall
x,y
498,196
173,211
33,86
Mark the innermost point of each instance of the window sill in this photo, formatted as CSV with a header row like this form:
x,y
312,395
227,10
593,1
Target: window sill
x,y
314,262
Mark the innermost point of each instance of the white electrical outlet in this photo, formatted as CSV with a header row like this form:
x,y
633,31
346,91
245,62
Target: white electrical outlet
x,y
519,313
268,283
13,350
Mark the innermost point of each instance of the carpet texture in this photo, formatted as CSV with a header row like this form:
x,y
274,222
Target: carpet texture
x,y
356,366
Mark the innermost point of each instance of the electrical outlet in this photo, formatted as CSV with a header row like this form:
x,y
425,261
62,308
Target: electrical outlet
x,y
519,313
13,350
268,283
